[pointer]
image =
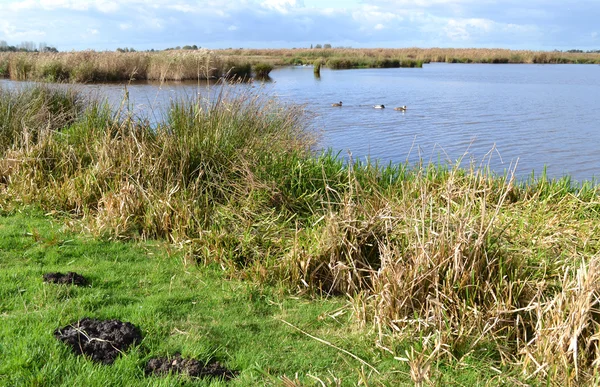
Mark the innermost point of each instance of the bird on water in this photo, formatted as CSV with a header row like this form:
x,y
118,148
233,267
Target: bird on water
x,y
401,108
379,106
337,104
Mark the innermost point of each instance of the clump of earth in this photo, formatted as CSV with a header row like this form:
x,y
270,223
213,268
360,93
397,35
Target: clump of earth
x,y
191,367
102,341
71,278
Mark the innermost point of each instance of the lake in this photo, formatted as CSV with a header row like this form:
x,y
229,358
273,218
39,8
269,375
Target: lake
x,y
520,117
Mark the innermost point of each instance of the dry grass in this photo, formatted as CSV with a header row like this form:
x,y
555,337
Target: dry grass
x,y
423,55
92,66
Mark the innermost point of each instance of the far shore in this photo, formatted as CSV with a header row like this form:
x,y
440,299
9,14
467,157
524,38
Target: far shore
x,y
180,65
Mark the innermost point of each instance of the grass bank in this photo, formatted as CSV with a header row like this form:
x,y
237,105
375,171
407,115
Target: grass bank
x,y
465,266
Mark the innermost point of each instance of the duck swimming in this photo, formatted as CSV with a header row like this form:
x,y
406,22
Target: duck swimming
x,y
337,104
379,106
401,108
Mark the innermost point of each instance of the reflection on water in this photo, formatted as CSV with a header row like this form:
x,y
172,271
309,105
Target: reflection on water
x,y
501,115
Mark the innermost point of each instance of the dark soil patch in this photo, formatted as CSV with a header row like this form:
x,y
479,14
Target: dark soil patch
x,y
191,367
102,341
71,278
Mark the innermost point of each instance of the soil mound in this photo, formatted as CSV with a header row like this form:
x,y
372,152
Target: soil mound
x,y
102,341
71,278
191,367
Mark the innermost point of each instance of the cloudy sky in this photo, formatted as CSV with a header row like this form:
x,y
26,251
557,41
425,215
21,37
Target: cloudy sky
x,y
108,24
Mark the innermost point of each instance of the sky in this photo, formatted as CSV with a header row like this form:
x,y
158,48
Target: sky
x,y
159,24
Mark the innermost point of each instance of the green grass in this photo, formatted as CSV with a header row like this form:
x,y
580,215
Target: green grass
x,y
180,307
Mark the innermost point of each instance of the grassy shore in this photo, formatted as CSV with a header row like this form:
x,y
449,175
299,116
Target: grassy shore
x,y
91,66
464,266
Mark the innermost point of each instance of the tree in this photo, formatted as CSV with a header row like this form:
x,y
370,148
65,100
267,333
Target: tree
x,y
318,46
327,45
27,46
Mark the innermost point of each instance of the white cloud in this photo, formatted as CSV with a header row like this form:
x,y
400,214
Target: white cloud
x,y
283,6
183,8
107,6
76,5
464,29
22,5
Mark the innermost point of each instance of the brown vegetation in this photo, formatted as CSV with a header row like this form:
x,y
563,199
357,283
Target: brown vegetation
x,y
92,66
179,65
424,55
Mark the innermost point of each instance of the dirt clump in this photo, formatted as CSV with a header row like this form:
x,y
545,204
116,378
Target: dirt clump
x,y
191,367
102,341
71,278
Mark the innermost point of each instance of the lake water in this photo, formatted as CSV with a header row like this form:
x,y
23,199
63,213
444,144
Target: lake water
x,y
511,117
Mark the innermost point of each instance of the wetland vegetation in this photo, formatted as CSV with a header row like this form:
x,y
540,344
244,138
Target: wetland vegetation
x,y
179,65
443,272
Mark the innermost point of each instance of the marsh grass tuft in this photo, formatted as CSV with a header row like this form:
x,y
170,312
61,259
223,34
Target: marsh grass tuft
x,y
262,70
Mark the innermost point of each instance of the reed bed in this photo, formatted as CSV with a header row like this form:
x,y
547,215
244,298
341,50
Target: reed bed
x,y
375,57
92,66
455,260
181,65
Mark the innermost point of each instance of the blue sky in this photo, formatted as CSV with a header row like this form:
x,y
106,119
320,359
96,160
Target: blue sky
x,y
108,24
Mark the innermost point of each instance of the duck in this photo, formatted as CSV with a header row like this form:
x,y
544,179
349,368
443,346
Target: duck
x,y
401,108
337,104
379,106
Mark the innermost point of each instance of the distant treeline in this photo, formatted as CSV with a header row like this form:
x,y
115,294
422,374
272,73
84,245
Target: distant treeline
x,y
581,51
26,47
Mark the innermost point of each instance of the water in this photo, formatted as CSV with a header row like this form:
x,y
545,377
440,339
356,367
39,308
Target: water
x,y
511,117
